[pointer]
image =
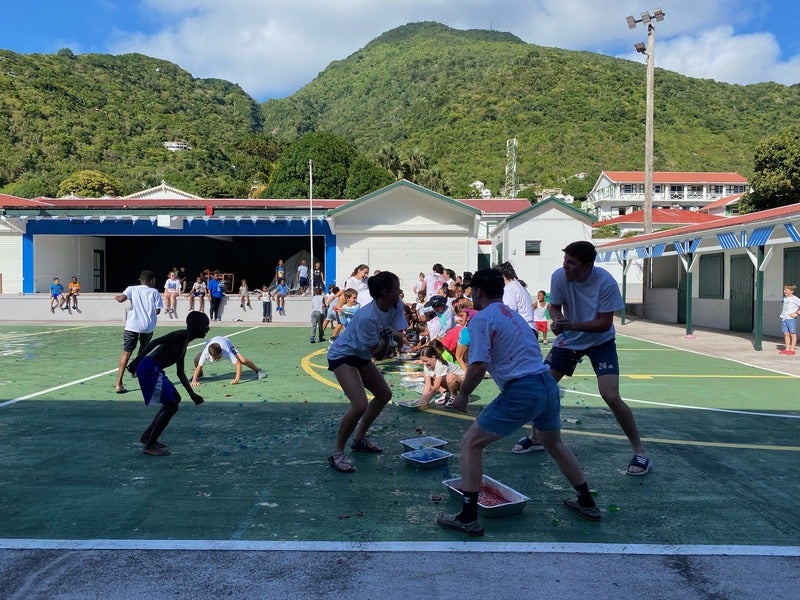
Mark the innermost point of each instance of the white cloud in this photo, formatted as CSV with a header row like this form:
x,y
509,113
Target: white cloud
x,y
273,48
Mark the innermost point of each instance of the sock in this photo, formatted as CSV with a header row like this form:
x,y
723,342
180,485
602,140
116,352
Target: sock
x,y
469,512
584,496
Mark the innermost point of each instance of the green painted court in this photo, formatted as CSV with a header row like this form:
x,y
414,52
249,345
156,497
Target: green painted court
x,y
251,463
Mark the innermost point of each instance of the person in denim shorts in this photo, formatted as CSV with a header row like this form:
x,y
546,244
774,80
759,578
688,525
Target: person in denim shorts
x,y
502,343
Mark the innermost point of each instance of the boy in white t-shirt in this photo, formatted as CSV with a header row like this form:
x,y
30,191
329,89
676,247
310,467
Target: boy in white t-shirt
x,y
789,311
146,303
221,347
540,307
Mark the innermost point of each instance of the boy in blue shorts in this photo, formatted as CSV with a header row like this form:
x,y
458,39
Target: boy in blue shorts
x,y
502,343
56,295
149,368
789,311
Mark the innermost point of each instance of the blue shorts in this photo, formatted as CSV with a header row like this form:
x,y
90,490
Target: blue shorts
x,y
532,398
154,383
604,359
789,325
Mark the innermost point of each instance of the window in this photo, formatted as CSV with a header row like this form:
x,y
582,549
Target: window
x,y
712,275
628,188
695,191
533,247
676,192
717,190
738,189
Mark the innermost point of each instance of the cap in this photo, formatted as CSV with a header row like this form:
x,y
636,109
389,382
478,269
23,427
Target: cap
x,y
436,301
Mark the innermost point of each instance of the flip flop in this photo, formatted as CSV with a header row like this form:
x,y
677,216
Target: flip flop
x,y
120,390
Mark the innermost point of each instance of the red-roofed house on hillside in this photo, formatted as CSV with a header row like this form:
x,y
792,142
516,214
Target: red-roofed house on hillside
x,y
663,218
724,207
620,192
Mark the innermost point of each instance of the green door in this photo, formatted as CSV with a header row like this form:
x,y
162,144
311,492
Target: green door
x,y
742,293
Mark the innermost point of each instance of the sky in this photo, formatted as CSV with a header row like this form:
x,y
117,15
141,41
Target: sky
x,y
272,48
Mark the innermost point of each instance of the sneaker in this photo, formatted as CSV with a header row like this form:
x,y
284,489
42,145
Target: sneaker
x,y
322,339
260,374
525,445
789,352
442,399
449,521
590,513
365,445
313,341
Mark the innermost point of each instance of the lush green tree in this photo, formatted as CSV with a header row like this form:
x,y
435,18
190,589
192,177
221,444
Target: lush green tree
x,y
365,177
776,171
331,157
89,184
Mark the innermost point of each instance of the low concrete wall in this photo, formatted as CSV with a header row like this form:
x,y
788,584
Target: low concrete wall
x,y
102,308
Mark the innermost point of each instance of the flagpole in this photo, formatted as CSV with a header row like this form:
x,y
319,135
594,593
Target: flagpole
x,y
311,223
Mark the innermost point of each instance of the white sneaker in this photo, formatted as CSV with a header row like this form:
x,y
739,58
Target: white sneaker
x,y
261,374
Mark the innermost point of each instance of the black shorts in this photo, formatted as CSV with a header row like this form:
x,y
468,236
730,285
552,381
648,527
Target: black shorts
x,y
604,359
353,361
129,339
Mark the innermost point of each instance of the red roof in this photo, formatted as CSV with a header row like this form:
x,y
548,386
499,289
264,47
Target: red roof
x,y
721,203
720,223
507,206
15,202
675,177
661,216
176,203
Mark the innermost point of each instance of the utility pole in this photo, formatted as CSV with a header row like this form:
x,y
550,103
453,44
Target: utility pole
x,y
649,51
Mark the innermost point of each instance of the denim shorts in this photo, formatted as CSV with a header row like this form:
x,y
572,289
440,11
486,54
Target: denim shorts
x,y
789,325
604,359
530,398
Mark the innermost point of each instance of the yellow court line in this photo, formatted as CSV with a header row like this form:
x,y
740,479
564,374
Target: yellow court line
x,y
308,367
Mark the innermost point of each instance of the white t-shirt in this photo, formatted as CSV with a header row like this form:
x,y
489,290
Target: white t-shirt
x,y
433,281
172,285
441,323
363,332
791,304
500,337
441,369
539,311
583,301
359,285
142,316
517,298
316,303
228,350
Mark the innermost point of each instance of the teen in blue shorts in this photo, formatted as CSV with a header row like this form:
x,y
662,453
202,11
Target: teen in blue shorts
x,y
502,343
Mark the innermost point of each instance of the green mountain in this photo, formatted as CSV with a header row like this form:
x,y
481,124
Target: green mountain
x,y
457,96
63,113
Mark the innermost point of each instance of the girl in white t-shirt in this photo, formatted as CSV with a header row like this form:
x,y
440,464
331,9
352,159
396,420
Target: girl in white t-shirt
x,y
439,375
244,294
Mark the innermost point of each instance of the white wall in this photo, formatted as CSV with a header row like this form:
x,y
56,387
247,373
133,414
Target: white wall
x,y
63,256
10,261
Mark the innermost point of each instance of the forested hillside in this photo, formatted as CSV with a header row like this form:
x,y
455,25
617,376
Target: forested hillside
x,y
443,100
63,113
457,96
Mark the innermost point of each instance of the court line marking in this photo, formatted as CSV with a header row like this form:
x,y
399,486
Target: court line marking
x,y
97,375
405,547
307,366
733,360
16,336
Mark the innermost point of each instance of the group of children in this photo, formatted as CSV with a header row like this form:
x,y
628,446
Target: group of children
x,y
62,300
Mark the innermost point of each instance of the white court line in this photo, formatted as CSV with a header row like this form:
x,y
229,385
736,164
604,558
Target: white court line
x,y
103,374
690,407
480,547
